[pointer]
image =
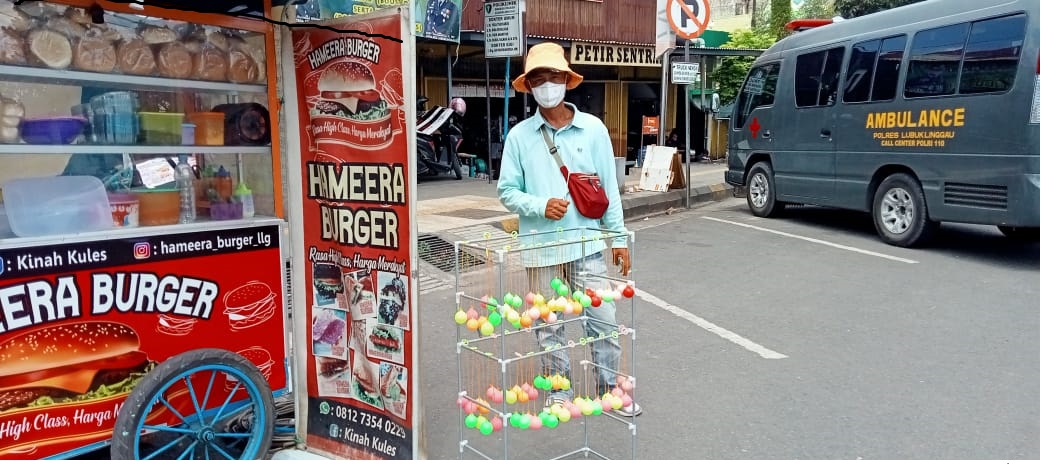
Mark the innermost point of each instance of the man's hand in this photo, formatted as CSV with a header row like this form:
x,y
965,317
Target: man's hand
x,y
621,256
556,207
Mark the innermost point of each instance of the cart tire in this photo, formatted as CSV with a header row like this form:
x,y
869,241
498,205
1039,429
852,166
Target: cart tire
x,y
240,430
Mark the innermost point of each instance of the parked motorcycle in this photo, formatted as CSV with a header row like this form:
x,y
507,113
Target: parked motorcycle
x,y
438,139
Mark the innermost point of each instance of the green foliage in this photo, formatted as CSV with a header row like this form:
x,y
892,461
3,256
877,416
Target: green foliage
x,y
854,8
815,9
728,75
780,15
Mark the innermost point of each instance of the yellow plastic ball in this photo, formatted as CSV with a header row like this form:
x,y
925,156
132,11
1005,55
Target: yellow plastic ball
x,y
472,324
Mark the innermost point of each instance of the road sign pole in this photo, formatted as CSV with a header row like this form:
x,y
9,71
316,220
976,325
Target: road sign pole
x,y
687,132
664,95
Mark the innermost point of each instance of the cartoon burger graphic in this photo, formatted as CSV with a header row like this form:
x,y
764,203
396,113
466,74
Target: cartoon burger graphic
x,y
70,363
249,305
349,93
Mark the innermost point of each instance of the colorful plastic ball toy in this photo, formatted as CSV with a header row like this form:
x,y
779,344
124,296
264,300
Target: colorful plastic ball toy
x,y
496,424
556,282
486,428
495,319
492,304
460,317
487,328
535,423
628,291
473,324
471,421
472,313
563,290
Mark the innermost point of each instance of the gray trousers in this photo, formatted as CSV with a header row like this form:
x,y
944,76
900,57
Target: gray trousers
x,y
606,351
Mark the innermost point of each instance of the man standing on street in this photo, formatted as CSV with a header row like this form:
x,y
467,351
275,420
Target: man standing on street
x,y
531,185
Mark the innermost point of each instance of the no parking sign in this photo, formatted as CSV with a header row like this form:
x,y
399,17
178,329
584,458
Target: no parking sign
x,y
688,18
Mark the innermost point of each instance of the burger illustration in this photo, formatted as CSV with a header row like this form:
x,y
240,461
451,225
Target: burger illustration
x,y
249,305
260,358
348,90
70,363
171,324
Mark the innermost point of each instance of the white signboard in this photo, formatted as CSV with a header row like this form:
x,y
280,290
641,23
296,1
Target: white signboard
x,y
657,171
684,73
503,29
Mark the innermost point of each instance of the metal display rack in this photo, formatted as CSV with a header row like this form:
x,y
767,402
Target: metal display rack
x,y
490,276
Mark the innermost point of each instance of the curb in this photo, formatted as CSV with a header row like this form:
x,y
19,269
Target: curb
x,y
641,204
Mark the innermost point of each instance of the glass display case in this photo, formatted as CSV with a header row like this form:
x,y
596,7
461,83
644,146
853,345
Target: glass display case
x,y
124,98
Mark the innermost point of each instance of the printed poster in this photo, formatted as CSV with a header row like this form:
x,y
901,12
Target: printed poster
x,y
434,19
356,233
81,323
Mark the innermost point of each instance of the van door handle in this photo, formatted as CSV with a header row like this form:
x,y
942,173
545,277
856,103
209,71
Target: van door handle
x,y
766,134
825,133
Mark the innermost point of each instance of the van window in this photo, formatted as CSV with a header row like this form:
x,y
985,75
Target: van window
x,y
889,66
936,61
817,76
757,90
991,58
860,71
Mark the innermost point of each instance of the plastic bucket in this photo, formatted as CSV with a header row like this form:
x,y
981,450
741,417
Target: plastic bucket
x,y
124,208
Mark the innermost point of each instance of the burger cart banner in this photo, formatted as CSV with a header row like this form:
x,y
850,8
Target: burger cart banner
x,y
434,19
356,234
80,323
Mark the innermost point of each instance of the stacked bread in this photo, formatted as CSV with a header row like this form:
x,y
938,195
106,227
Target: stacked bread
x,y
59,37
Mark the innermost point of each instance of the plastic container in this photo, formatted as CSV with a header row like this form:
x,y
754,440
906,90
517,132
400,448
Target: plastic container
x,y
52,131
161,128
223,184
124,207
188,134
56,205
210,127
157,207
243,195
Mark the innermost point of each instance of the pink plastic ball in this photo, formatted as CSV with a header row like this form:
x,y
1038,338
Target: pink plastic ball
x,y
575,411
626,400
470,407
529,298
536,423
617,392
496,424
461,401
472,313
605,405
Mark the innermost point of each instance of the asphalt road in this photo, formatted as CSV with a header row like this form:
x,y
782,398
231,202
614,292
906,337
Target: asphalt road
x,y
803,337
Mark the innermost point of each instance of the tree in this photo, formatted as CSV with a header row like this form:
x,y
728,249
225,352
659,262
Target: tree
x,y
815,9
729,73
780,15
854,8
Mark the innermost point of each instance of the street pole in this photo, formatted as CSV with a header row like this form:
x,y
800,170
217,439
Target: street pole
x,y
687,132
664,96
487,107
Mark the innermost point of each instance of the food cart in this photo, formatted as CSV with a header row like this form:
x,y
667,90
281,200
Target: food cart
x,y
146,282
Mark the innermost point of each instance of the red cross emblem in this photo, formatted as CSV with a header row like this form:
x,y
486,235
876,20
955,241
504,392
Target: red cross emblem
x,y
754,127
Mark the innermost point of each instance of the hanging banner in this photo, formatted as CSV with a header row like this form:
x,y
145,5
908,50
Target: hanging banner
x,y
614,55
434,19
82,322
356,235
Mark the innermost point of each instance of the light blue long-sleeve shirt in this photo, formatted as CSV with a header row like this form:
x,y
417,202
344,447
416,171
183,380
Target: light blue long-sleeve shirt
x,y
530,176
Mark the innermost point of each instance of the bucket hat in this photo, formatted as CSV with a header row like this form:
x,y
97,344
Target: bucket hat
x,y
546,55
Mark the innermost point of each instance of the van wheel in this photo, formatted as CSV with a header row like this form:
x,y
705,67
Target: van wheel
x,y
1023,234
760,191
900,212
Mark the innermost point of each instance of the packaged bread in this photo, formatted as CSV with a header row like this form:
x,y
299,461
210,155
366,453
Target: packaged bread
x,y
49,48
67,27
210,63
12,47
14,19
135,57
242,67
94,52
174,60
156,35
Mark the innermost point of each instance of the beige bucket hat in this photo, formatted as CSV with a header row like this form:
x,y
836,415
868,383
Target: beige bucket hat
x,y
546,55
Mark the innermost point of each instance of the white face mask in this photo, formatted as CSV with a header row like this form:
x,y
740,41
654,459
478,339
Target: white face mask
x,y
549,94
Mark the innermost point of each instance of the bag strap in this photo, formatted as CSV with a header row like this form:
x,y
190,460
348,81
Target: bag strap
x,y
553,151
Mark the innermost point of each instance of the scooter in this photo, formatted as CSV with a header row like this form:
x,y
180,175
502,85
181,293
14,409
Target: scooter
x,y
438,139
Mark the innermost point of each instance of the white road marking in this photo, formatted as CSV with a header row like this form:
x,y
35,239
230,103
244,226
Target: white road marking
x,y
711,327
815,240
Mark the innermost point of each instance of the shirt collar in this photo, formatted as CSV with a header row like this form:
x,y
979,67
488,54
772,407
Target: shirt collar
x,y
541,120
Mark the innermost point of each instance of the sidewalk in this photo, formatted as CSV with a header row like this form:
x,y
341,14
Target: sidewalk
x,y
449,204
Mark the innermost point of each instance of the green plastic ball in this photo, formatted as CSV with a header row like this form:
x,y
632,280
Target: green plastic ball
x,y
515,324
508,297
471,421
517,301
486,428
586,301
563,290
577,295
608,296
514,418
598,408
495,319
538,382
551,421
492,304
556,282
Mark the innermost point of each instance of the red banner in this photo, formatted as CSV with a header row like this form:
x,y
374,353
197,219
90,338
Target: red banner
x,y
81,322
356,232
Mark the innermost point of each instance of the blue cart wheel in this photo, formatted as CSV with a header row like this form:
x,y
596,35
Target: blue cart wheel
x,y
219,407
